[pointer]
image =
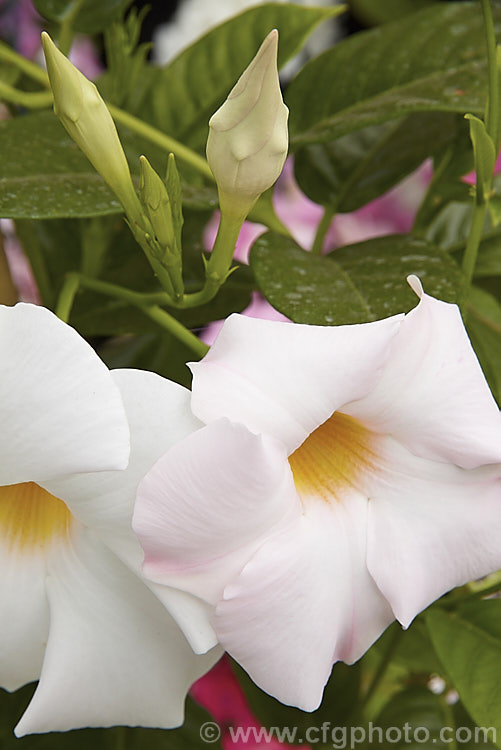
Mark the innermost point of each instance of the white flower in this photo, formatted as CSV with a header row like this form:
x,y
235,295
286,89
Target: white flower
x,y
347,476
248,137
74,610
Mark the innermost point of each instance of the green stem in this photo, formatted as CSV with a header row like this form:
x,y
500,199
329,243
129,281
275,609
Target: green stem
x,y
147,303
172,325
66,33
218,266
472,245
488,591
67,297
161,139
491,113
28,67
382,667
322,229
28,99
480,206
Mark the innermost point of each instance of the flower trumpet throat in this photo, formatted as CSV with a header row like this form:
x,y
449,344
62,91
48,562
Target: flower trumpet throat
x,y
248,136
82,111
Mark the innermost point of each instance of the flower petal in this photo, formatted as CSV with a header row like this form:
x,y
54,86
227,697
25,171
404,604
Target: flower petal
x,y
285,380
24,617
432,395
208,503
61,412
432,526
159,415
114,656
304,601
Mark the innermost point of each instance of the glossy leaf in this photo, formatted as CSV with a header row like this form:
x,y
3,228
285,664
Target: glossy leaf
x,y
201,77
44,175
371,13
353,170
353,284
468,642
432,60
91,16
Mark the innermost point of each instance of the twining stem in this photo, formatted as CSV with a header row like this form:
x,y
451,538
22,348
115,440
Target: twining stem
x,y
28,99
323,226
383,666
177,329
473,242
28,67
67,297
147,303
491,122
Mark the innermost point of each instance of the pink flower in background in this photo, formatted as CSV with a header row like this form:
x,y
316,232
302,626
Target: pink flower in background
x,y
220,693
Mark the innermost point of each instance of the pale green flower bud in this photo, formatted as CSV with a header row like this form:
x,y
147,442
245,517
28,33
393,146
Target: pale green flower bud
x,y
156,203
79,106
248,138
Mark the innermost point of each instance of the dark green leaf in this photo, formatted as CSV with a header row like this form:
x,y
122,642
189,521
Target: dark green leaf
x,y
414,649
471,737
468,643
383,11
43,174
353,284
91,16
484,328
355,169
53,179
412,719
432,60
189,90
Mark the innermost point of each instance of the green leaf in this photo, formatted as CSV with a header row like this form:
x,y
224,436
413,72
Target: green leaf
x,y
353,284
201,77
484,153
470,736
383,11
355,169
187,737
92,16
414,649
412,719
484,328
53,179
43,174
432,60
468,643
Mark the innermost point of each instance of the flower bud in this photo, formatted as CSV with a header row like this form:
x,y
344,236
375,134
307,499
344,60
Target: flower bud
x,y
248,138
79,106
155,200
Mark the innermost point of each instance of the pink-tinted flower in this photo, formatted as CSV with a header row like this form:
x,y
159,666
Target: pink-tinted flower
x,y
346,476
